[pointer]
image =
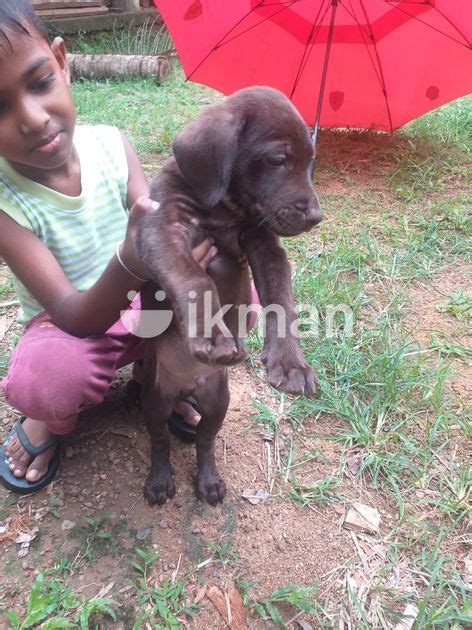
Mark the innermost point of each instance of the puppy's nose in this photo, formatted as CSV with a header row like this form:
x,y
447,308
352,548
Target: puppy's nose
x,y
311,209
314,214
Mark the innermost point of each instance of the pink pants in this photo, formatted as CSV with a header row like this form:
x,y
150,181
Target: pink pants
x,y
53,374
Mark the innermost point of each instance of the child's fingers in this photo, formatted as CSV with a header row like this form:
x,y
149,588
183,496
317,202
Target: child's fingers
x,y
143,205
205,261
202,253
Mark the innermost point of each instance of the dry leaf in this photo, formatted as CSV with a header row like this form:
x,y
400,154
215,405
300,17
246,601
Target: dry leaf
x,y
304,625
354,463
217,598
24,550
3,326
358,578
409,615
27,537
362,518
468,569
104,591
255,497
238,611
366,548
200,594
230,606
5,525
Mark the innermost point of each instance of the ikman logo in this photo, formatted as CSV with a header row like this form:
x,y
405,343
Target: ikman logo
x,y
337,320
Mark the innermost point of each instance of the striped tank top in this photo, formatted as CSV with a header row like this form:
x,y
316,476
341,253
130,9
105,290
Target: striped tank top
x,y
82,232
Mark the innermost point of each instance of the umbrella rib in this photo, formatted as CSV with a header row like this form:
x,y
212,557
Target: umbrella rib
x,y
414,17
221,42
468,44
381,77
269,17
311,40
363,34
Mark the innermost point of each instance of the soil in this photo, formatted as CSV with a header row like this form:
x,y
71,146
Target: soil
x,y
104,465
427,318
103,468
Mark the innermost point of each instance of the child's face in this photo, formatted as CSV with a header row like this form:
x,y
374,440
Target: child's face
x,y
37,115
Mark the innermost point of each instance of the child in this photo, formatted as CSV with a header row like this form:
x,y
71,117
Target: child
x,y
63,195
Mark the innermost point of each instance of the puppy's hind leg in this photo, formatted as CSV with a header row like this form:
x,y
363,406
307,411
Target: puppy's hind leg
x,y
213,401
158,402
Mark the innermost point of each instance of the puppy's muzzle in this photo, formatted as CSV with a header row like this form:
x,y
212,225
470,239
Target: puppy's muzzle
x,y
300,217
311,211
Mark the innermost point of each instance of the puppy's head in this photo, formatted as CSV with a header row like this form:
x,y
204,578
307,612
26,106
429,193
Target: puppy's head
x,y
254,147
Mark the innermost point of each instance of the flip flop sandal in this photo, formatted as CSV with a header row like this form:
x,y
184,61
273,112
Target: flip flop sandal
x,y
177,425
20,485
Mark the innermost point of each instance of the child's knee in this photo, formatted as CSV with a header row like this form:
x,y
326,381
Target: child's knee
x,y
53,383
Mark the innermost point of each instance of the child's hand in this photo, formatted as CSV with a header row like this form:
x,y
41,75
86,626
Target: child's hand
x,y
202,253
142,205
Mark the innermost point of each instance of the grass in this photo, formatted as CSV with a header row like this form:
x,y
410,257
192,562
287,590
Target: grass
x,y
398,214
290,597
149,117
392,396
53,604
459,306
52,601
164,605
151,38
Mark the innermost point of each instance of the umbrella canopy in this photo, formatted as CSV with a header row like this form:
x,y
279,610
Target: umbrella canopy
x,y
390,60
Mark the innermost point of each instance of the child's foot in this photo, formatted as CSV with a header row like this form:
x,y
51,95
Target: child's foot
x,y
188,412
22,464
182,407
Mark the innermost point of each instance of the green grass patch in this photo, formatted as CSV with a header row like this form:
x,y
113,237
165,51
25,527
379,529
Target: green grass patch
x,y
160,606
148,114
451,123
53,604
459,306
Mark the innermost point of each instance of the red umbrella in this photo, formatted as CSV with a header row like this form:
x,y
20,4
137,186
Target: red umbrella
x,y
390,60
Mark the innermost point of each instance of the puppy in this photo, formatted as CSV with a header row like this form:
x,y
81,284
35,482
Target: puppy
x,y
241,173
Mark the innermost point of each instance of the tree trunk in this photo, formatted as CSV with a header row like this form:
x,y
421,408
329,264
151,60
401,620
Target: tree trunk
x,y
120,66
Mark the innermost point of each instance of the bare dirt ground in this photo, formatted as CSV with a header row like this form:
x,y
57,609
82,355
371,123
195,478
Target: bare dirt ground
x,y
275,542
103,468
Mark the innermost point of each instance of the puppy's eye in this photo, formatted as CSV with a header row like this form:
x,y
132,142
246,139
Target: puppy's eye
x,y
277,160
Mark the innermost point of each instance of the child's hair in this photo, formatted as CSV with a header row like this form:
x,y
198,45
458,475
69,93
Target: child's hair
x,y
18,16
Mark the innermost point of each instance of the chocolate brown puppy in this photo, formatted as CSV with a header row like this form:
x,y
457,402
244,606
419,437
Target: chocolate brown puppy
x,y
241,173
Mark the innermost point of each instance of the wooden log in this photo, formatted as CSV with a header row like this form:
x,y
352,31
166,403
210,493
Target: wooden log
x,y
65,4
72,12
118,66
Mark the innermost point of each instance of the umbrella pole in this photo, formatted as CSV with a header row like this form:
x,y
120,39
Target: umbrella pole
x,y
325,72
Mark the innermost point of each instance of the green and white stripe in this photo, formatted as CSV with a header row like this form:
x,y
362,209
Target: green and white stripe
x,y
82,232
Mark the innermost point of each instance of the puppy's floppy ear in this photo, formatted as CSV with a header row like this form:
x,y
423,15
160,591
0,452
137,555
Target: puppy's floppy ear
x,y
205,152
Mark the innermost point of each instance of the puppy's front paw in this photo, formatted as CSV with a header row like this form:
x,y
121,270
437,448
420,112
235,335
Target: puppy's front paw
x,y
218,351
293,376
210,486
160,485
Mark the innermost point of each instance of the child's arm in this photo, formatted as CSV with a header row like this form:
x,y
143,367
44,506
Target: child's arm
x,y
78,313
95,310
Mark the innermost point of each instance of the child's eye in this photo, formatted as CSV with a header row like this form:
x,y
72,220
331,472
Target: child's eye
x,y
3,108
44,82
